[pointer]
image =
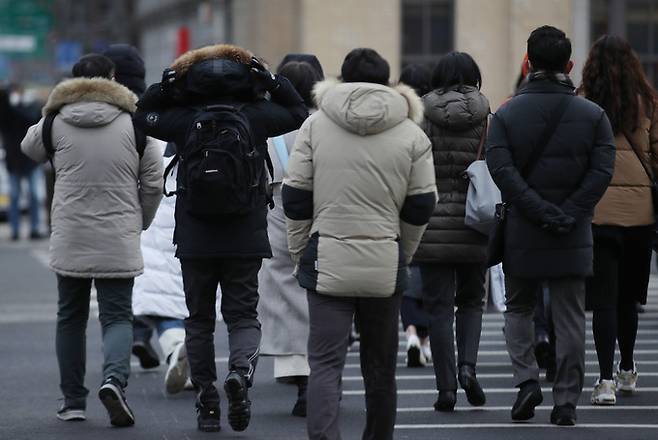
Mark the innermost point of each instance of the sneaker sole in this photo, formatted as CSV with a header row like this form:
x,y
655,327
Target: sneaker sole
x,y
606,401
120,414
177,375
239,409
146,361
413,358
210,428
76,415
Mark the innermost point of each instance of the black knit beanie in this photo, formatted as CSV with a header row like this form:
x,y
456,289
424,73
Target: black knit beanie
x,y
365,65
130,70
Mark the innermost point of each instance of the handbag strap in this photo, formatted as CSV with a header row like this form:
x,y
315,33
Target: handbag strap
x,y
546,136
483,138
639,155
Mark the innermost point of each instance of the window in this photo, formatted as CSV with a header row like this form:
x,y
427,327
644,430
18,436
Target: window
x,y
427,30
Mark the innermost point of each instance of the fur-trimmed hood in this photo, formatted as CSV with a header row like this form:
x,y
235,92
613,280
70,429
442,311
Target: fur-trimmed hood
x,y
367,108
79,90
218,51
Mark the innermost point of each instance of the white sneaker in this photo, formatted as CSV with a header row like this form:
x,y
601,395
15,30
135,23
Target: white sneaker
x,y
427,351
415,356
626,380
604,393
176,375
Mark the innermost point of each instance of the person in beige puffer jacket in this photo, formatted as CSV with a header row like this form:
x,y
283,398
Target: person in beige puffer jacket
x,y
105,195
359,192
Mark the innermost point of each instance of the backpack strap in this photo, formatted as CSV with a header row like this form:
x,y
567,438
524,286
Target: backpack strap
x,y
47,136
483,138
140,141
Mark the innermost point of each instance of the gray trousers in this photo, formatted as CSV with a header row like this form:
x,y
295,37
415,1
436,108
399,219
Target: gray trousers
x,y
115,314
567,297
444,287
330,325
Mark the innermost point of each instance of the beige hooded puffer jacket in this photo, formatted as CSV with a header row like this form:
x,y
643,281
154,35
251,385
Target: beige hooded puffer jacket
x,y
104,194
360,189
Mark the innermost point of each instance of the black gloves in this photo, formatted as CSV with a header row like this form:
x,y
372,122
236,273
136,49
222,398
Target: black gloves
x,y
555,221
263,77
168,79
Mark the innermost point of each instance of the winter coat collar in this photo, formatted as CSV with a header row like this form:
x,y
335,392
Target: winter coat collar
x,y
218,51
547,82
78,90
456,108
367,108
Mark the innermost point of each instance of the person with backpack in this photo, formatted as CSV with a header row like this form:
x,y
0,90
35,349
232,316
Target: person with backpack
x,y
624,220
359,192
108,185
212,104
451,256
552,155
283,308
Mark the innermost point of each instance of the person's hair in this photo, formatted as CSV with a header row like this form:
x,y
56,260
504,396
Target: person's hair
x,y
93,65
549,49
456,69
303,77
365,65
418,77
613,78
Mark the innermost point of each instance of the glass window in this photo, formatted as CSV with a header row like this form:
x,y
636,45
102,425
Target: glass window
x,y
427,30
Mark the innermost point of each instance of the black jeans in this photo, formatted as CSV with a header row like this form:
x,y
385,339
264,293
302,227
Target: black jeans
x,y
115,314
444,287
331,321
622,264
238,279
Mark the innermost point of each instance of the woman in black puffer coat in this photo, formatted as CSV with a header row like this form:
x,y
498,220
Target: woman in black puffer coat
x,y
451,256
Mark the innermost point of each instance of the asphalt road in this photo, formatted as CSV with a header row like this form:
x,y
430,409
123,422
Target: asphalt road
x,y
29,392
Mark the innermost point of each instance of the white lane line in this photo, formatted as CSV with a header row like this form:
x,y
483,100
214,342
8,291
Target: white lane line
x,y
509,365
504,352
480,376
538,408
645,332
526,425
486,390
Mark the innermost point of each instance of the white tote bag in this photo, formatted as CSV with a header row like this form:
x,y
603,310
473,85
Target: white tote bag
x,y
483,195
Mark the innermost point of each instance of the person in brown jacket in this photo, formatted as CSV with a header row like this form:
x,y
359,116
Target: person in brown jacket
x,y
623,224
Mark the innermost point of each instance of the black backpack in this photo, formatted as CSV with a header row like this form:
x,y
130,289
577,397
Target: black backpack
x,y
47,138
221,171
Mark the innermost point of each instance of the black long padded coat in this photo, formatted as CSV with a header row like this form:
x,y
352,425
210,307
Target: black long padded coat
x,y
572,173
218,81
455,119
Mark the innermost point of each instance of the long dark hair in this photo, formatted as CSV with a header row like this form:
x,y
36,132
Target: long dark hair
x,y
613,78
456,69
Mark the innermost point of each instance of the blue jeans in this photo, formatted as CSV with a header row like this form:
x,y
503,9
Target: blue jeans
x,y
143,326
15,187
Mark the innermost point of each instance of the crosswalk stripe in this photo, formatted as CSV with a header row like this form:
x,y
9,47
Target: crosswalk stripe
x,y
480,376
538,408
504,352
526,425
486,390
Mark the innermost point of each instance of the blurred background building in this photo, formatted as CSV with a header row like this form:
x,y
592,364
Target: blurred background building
x,y
40,39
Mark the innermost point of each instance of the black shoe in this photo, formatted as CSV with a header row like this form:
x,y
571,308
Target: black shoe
x,y
147,356
527,399
239,406
446,401
468,381
207,417
112,397
563,415
299,410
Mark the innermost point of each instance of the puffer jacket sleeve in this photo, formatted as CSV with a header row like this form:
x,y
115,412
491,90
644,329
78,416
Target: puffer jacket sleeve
x,y
297,193
597,178
512,185
150,181
421,197
32,144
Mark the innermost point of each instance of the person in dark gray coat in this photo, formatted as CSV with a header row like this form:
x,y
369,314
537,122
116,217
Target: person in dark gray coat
x,y
451,256
548,232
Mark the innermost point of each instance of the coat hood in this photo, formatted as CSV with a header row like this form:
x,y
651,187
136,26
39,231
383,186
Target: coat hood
x,y
216,52
367,108
456,108
99,90
129,64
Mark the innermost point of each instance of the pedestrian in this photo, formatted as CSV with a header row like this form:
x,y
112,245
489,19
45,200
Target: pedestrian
x,y
283,308
415,321
451,256
15,119
551,153
624,222
130,72
211,104
357,198
105,195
